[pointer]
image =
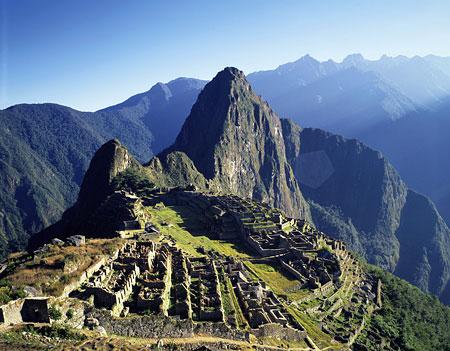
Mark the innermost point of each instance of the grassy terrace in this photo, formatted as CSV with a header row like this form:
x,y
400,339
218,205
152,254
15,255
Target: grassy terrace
x,y
230,301
60,265
181,228
277,280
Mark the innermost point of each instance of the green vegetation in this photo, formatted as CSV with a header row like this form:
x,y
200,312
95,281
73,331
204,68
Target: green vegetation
x,y
9,293
31,337
133,180
280,282
409,320
69,313
177,230
54,313
45,150
312,327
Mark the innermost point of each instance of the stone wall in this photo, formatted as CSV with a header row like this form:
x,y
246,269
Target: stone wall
x,y
88,273
275,330
158,326
28,310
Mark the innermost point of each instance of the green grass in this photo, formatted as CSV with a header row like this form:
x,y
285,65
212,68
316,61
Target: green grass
x,y
178,231
240,319
319,337
277,280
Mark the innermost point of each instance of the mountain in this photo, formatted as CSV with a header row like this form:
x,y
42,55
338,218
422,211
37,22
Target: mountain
x,y
45,151
234,139
357,196
232,142
442,63
342,97
417,145
162,109
397,105
348,97
418,79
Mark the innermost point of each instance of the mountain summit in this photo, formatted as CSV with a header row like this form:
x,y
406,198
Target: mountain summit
x,y
235,140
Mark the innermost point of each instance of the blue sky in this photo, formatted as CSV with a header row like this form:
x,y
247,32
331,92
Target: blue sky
x,y
90,54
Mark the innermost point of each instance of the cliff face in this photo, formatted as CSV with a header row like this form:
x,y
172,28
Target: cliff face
x,y
235,140
424,247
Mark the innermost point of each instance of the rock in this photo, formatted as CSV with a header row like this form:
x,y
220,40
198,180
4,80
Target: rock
x,y
56,241
76,240
31,291
91,322
101,330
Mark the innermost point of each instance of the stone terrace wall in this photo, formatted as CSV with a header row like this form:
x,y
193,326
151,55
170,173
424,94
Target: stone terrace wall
x,y
89,272
275,330
158,326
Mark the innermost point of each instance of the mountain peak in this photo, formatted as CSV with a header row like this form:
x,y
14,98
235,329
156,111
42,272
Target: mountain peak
x,y
354,59
235,140
307,58
229,74
110,159
162,90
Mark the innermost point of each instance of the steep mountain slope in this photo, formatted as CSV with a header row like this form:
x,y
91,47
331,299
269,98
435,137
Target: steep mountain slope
x,y
355,91
442,63
363,201
417,145
111,159
347,102
45,150
364,188
397,105
162,109
234,139
418,79
342,97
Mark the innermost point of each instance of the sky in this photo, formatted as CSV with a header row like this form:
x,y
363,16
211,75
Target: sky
x,y
90,54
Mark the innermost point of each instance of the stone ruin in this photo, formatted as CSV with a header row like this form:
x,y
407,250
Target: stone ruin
x,y
27,310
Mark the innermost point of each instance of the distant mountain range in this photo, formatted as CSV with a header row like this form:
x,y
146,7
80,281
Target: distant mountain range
x,y
398,105
351,96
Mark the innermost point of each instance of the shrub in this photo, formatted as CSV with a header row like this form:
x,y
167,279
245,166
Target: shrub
x,y
69,313
9,293
54,313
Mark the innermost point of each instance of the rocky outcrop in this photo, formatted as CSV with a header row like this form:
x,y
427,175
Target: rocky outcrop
x,y
108,162
176,169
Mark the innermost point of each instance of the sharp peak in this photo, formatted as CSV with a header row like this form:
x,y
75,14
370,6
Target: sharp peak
x,y
113,141
230,73
109,149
